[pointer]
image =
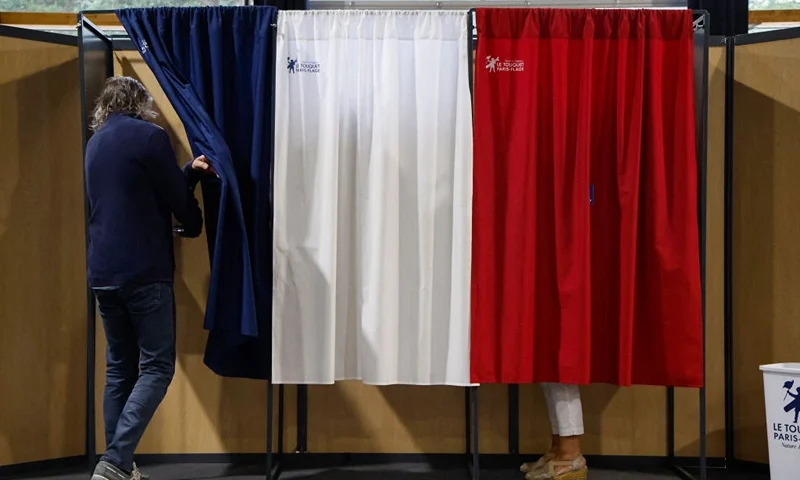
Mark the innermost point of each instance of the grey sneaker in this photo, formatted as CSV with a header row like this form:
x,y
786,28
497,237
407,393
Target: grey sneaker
x,y
106,471
138,475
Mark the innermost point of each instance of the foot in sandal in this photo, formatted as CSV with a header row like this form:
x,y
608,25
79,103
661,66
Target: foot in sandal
x,y
539,464
556,469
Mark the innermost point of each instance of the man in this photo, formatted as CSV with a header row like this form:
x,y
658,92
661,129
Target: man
x,y
134,188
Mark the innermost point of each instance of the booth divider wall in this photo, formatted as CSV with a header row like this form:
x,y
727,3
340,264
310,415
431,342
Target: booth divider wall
x,y
765,224
42,259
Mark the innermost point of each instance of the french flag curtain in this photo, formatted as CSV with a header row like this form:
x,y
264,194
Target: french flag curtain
x,y
586,263
373,198
215,66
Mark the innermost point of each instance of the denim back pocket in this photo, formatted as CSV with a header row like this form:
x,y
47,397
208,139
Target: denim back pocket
x,y
145,299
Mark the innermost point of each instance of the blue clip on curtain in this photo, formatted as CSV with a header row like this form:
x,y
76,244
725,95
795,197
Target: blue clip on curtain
x,y
215,66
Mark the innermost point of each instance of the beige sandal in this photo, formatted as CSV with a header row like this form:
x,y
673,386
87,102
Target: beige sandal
x,y
577,470
538,465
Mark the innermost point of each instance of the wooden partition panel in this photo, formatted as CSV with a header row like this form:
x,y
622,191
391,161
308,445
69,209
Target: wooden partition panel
x,y
766,228
617,421
353,417
633,421
42,259
202,413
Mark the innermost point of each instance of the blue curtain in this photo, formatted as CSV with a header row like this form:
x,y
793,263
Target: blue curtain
x,y
215,66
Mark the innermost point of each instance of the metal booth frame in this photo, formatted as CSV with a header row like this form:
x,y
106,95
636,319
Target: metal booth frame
x,y
92,40
96,49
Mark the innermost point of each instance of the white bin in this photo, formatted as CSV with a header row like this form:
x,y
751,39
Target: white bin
x,y
782,398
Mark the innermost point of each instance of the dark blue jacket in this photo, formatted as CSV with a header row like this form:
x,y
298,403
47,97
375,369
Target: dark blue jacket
x,y
135,187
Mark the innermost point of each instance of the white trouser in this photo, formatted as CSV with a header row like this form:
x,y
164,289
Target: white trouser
x,y
564,407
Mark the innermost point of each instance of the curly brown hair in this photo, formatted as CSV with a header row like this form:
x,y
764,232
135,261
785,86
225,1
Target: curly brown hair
x,y
125,96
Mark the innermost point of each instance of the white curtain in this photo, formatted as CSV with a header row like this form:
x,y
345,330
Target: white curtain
x,y
373,198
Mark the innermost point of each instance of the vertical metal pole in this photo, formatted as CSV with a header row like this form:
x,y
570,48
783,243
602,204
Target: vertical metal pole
x,y
302,419
513,419
476,468
730,453
703,433
84,28
468,422
671,424
471,45
91,341
470,398
270,386
270,411
281,412
90,446
703,211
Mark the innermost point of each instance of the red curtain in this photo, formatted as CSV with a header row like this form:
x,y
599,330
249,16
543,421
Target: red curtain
x,y
586,265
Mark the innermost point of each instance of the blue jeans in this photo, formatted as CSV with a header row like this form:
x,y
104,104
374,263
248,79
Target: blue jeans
x,y
139,322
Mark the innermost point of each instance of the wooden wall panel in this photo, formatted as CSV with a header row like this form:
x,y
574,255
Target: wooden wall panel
x,y
614,417
202,413
42,260
56,19
766,228
353,417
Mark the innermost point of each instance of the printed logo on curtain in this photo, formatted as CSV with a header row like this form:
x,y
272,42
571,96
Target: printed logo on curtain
x,y
373,198
586,264
495,64
301,66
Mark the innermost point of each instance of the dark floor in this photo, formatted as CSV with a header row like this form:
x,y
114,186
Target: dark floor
x,y
393,472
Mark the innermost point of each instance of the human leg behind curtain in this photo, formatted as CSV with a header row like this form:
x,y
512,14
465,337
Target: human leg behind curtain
x,y
140,363
566,420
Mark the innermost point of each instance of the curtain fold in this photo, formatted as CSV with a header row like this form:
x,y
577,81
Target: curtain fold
x,y
586,264
373,192
215,66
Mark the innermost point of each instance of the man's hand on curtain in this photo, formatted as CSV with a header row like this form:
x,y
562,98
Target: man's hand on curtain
x,y
201,163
